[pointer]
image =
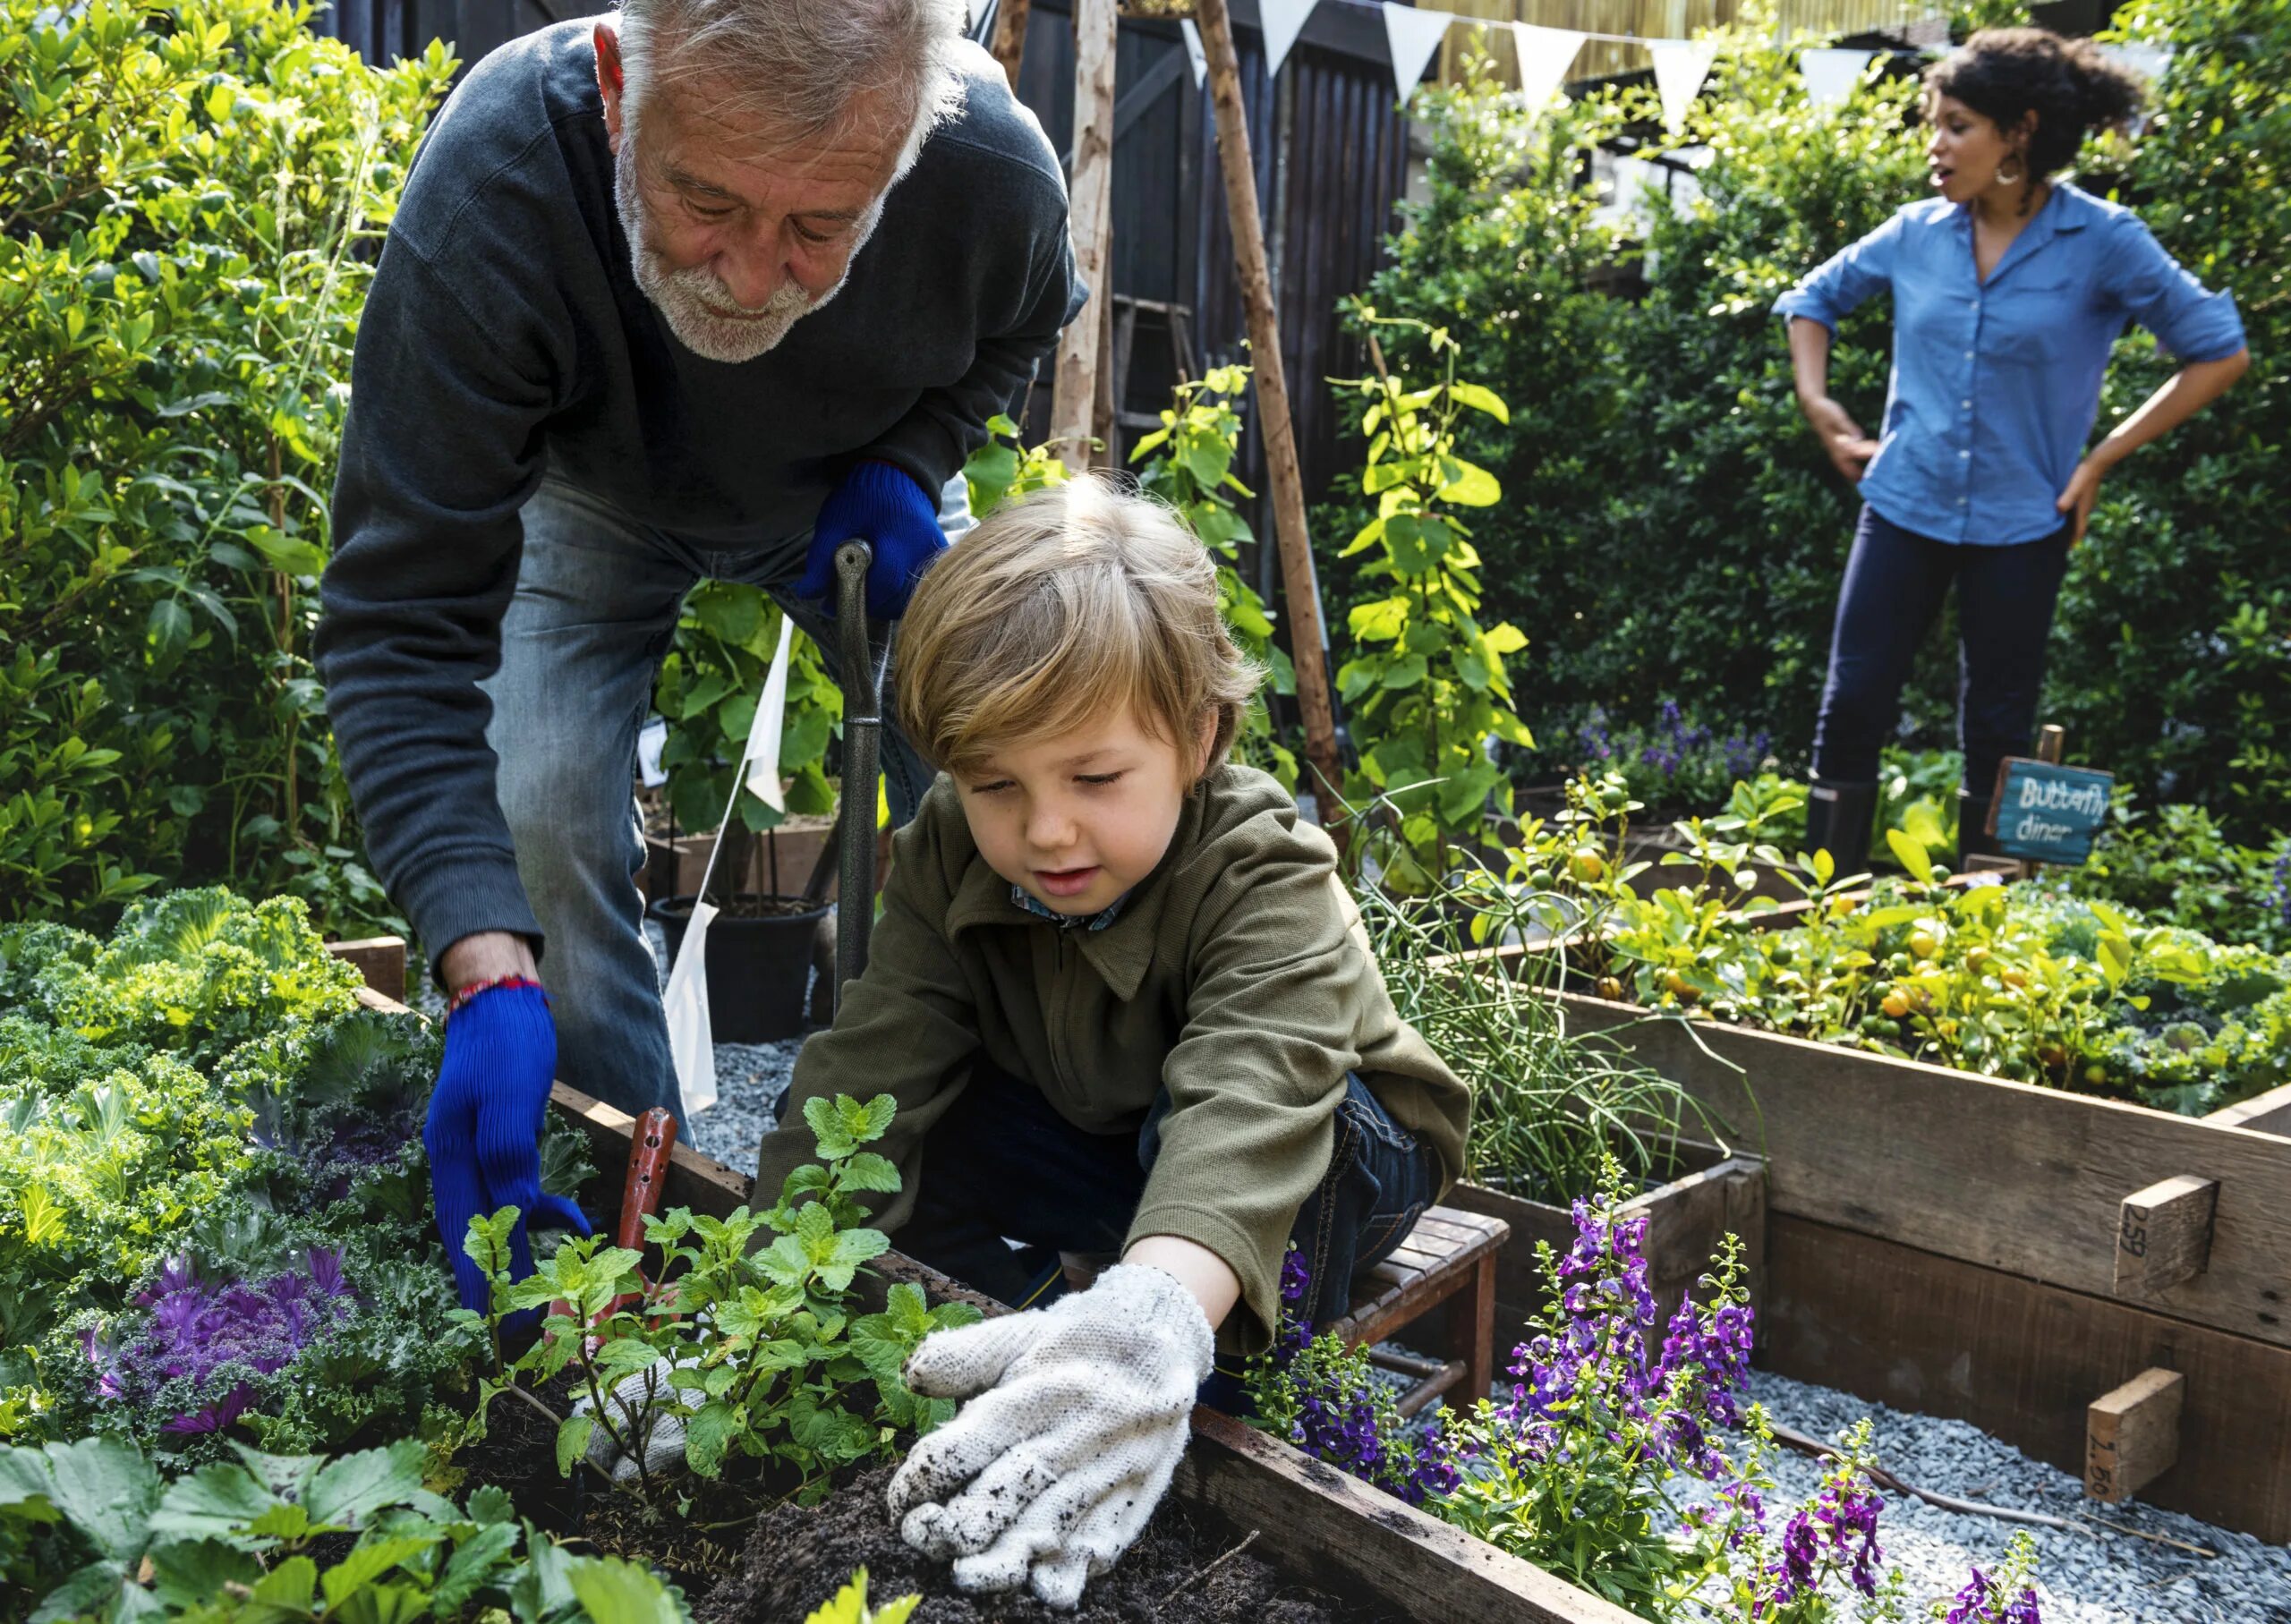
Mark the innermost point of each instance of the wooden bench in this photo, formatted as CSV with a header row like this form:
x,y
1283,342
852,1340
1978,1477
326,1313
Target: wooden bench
x,y
1448,1258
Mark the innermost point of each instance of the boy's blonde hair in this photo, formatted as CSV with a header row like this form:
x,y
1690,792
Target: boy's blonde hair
x,y
1059,610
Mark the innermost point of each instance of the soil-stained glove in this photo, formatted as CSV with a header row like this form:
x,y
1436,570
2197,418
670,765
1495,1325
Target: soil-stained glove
x,y
484,1132
1078,1416
635,1407
879,505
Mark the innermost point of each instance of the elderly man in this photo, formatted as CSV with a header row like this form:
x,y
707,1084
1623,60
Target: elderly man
x,y
705,287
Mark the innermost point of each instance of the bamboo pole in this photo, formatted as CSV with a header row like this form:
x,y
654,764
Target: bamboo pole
x,y
1300,587
1010,47
1091,212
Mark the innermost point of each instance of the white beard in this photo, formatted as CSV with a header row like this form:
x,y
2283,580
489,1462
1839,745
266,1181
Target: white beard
x,y
683,297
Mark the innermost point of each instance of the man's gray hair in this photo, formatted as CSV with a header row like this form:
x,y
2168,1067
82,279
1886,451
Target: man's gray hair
x,y
804,67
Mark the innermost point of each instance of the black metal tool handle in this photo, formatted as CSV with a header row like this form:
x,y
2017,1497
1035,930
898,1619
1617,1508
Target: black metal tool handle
x,y
865,657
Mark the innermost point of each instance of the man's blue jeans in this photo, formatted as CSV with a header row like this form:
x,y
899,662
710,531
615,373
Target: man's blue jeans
x,y
597,599
1003,1166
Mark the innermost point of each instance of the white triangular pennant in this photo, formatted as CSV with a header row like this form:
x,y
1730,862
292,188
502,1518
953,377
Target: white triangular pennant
x,y
692,1040
1681,65
1194,53
1281,21
761,762
1831,75
1545,56
1413,35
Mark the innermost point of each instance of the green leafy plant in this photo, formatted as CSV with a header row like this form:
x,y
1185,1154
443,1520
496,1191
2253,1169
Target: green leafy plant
x,y
850,1606
90,1529
2178,866
710,684
752,1347
1005,467
1188,464
188,200
1428,689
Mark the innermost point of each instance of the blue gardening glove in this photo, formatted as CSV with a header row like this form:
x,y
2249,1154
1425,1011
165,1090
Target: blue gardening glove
x,y
483,1135
881,506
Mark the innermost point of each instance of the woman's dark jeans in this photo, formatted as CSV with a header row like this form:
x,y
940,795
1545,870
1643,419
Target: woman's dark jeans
x,y
1895,585
1003,1163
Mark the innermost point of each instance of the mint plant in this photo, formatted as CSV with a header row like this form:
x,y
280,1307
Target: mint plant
x,y
752,1350
90,1529
1428,689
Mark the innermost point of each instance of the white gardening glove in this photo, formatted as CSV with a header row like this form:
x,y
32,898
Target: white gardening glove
x,y
1080,1416
637,1405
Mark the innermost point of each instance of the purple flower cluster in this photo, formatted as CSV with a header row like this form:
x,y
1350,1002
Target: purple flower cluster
x,y
1693,1386
1675,744
1981,1601
1846,1513
2279,896
200,1328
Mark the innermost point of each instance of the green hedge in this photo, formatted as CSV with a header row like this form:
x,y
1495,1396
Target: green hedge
x,y
189,192
1671,531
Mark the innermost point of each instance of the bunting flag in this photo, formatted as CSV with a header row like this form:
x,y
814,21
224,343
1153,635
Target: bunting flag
x,y
1545,56
1194,53
1281,20
1413,35
1681,65
1831,75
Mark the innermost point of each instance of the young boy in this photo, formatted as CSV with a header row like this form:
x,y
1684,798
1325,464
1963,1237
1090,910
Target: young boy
x,y
1120,996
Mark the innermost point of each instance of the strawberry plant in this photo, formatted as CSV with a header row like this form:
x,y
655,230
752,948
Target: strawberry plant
x,y
1427,688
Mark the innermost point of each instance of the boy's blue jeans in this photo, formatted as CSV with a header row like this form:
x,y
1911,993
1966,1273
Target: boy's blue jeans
x,y
1003,1163
597,599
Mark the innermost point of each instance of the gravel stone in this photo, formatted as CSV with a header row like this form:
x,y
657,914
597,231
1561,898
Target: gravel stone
x,y
2106,1577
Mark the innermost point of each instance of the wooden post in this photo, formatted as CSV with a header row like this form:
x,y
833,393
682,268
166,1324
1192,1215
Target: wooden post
x,y
1295,547
2131,1435
1010,47
380,960
1091,214
2164,1234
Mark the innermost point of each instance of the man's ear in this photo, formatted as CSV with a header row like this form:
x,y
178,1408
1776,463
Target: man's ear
x,y
610,79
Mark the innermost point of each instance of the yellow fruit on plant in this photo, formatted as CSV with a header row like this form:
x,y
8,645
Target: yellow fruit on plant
x,y
1894,1005
2015,978
1840,906
1681,989
1586,864
1975,957
1610,988
1923,944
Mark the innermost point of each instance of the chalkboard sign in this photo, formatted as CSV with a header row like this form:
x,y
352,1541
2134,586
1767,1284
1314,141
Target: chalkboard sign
x,y
2046,812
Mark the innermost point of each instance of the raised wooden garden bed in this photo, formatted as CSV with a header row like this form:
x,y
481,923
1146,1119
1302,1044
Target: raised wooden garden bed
x,y
2008,1255
1714,1194
1314,1524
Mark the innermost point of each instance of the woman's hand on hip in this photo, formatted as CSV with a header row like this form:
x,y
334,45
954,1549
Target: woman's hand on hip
x,y
1849,449
2083,491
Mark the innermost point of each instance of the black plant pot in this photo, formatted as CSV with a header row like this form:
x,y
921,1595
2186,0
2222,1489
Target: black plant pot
x,y
759,967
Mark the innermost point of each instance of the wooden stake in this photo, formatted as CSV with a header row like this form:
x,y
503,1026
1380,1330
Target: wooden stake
x,y
2164,1234
1010,47
2131,1435
1091,214
1281,467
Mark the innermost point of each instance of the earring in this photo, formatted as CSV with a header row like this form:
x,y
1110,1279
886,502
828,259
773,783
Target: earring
x,y
2013,179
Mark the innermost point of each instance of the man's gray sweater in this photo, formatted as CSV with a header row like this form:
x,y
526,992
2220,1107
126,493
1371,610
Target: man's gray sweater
x,y
505,336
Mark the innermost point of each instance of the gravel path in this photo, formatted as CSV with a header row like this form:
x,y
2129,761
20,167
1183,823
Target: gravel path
x,y
2107,1578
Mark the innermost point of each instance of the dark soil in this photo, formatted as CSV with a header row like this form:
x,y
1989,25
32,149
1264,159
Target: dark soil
x,y
799,1558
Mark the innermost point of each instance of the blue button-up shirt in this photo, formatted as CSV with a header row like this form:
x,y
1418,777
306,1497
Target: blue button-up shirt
x,y
1996,385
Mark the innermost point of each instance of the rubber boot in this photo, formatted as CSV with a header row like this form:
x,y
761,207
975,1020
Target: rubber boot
x,y
1839,817
1973,839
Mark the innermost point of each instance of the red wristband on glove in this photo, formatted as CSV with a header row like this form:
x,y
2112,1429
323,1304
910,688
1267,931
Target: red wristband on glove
x,y
463,995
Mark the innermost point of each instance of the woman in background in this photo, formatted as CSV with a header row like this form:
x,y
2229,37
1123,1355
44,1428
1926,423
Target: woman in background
x,y
2009,288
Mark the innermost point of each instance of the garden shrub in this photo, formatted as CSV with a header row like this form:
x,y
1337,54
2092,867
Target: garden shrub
x,y
1672,530
2178,867
188,192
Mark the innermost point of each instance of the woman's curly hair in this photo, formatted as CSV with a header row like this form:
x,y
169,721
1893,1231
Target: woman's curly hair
x,y
2003,74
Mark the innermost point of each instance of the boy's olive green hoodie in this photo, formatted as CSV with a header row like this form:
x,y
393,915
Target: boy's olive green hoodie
x,y
1236,975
